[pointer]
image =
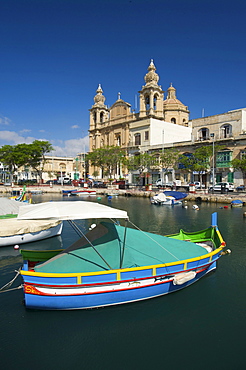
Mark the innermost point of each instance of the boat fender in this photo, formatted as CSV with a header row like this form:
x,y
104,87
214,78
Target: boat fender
x,y
195,206
182,278
227,251
16,247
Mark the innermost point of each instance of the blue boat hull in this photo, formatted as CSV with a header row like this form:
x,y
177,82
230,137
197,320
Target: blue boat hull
x,y
157,286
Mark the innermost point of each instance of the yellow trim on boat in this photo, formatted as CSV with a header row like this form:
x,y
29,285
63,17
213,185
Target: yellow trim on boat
x,y
119,271
118,275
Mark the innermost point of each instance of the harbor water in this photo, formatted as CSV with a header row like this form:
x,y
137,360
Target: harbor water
x,y
202,326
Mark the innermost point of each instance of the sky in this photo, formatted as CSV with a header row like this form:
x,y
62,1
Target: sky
x,y
54,53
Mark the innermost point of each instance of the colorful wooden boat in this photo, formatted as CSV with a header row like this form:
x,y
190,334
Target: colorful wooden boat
x,y
114,264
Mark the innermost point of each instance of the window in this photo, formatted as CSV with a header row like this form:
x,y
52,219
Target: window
x,y
203,134
173,120
223,159
146,135
226,131
137,139
101,117
95,117
155,100
147,106
243,154
118,140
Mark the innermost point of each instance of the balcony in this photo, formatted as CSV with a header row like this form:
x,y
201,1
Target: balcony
x,y
223,164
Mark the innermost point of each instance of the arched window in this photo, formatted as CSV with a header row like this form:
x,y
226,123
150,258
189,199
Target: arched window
x,y
225,131
173,120
95,117
155,101
203,134
101,117
147,103
138,139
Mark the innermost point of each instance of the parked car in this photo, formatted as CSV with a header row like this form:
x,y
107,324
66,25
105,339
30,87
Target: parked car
x,y
64,180
160,184
79,182
51,181
121,183
99,184
241,188
222,186
198,185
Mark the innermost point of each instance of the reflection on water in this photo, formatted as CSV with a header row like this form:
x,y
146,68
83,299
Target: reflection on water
x,y
202,325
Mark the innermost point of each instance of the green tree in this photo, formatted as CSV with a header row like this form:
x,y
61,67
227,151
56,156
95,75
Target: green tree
x,y
36,155
33,155
168,159
13,156
142,163
240,164
107,158
199,161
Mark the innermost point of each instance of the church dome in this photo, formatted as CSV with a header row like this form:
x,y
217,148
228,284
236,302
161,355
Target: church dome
x,y
171,98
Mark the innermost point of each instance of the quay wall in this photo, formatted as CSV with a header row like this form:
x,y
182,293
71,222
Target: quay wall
x,y
199,195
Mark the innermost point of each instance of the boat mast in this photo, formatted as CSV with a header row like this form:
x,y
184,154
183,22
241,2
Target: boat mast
x,y
124,244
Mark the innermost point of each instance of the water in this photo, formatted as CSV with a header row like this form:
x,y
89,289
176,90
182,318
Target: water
x,y
202,326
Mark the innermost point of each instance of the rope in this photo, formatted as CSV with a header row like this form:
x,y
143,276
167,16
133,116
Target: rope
x,y
77,229
155,241
8,290
10,282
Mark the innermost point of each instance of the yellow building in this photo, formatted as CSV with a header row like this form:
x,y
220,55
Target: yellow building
x,y
163,122
118,125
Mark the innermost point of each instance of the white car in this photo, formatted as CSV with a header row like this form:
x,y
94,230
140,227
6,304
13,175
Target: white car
x,y
64,180
160,183
198,185
226,186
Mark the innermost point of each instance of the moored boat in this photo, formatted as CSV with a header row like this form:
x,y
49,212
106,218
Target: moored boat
x,y
113,264
14,231
81,193
168,198
236,203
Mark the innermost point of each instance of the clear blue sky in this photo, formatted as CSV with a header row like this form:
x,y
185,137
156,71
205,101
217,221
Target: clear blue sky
x,y
54,53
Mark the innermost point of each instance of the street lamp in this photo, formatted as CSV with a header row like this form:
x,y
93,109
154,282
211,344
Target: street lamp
x,y
212,136
162,157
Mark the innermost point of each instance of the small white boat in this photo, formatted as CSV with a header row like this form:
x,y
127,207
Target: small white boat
x,y
14,231
168,198
236,203
81,193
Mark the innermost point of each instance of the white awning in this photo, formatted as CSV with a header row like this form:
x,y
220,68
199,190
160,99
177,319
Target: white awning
x,y
69,211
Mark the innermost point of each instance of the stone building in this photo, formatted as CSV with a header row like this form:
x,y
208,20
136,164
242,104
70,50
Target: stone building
x,y
163,122
55,167
157,118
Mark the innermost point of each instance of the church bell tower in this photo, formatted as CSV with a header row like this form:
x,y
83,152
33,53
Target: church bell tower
x,y
151,95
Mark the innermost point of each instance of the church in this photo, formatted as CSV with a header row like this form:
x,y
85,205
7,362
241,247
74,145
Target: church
x,y
163,122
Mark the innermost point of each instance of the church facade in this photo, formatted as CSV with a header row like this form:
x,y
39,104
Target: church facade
x,y
163,122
